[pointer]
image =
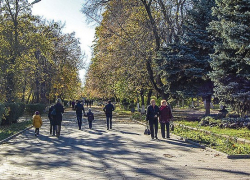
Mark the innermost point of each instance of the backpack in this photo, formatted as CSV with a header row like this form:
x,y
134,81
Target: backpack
x,y
53,112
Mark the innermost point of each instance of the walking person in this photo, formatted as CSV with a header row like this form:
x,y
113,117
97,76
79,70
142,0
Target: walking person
x,y
58,117
79,109
50,116
152,117
91,118
165,115
108,109
37,122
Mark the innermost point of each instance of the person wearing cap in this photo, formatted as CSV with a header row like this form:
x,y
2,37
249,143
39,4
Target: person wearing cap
x,y
108,109
91,118
37,122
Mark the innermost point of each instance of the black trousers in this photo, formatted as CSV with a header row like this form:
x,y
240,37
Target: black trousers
x,y
37,131
165,126
90,124
153,124
109,122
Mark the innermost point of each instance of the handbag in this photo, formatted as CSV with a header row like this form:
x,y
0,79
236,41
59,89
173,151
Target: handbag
x,y
147,131
171,126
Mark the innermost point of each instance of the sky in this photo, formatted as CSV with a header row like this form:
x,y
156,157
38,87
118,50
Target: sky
x,y
68,12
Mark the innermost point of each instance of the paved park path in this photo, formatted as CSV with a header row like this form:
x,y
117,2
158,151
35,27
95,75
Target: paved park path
x,y
121,153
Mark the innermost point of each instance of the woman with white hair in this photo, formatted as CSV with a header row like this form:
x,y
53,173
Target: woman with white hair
x,y
58,117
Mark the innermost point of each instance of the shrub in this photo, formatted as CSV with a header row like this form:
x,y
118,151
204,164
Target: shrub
x,y
2,110
14,111
32,108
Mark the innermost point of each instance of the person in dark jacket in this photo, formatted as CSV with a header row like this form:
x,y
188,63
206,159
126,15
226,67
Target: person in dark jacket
x,y
108,109
50,116
91,118
152,117
79,109
165,116
58,117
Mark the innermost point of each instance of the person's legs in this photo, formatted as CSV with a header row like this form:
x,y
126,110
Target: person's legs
x,y
79,120
167,125
54,129
90,124
58,130
107,122
156,127
163,130
151,126
37,131
50,128
110,122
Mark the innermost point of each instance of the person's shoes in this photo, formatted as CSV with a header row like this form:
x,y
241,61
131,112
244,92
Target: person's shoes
x,y
156,137
168,137
35,134
152,137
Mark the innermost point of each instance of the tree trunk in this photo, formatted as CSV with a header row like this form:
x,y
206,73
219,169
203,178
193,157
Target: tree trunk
x,y
208,101
142,102
149,96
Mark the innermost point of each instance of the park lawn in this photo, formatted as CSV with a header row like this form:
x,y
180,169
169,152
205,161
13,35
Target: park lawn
x,y
6,131
225,145
235,133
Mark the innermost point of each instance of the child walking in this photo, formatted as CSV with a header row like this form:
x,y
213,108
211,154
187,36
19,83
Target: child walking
x,y
90,116
37,122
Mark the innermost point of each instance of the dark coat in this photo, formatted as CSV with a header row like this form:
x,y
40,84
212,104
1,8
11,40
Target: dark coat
x,y
79,109
49,113
90,116
108,109
152,113
58,116
165,114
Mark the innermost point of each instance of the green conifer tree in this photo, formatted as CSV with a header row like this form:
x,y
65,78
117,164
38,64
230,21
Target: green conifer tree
x,y
231,60
185,65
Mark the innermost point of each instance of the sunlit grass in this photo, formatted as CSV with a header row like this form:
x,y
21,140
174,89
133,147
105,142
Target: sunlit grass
x,y
237,133
6,131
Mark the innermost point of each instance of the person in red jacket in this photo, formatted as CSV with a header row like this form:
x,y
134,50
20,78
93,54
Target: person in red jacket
x,y
164,118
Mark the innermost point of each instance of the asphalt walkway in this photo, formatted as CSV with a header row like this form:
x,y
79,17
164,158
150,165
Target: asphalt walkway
x,y
121,153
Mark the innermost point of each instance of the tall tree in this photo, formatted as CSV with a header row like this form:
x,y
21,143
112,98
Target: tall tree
x,y
185,64
231,65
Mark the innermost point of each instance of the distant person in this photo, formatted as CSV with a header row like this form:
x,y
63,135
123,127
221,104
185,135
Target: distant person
x,y
79,110
108,109
50,116
165,115
91,118
37,122
58,117
152,118
73,105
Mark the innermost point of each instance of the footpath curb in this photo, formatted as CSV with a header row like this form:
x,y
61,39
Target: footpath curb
x,y
236,156
14,135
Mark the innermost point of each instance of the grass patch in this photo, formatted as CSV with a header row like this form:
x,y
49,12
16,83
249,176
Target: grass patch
x,y
221,144
121,111
6,131
236,133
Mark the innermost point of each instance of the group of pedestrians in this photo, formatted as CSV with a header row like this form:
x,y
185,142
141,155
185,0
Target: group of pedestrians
x,y
155,115
55,117
79,108
162,114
